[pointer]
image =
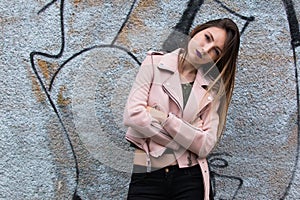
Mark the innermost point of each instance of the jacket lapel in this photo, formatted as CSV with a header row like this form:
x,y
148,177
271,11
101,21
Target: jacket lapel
x,y
171,84
173,88
198,98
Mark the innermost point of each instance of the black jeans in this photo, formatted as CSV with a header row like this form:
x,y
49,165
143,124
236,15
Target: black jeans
x,y
169,183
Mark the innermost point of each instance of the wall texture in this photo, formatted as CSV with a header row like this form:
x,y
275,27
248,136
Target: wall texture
x,y
66,70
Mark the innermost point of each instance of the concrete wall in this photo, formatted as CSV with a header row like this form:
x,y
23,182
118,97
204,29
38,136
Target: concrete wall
x,y
66,70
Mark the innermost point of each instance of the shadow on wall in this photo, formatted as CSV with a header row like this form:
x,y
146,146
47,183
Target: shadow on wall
x,y
47,71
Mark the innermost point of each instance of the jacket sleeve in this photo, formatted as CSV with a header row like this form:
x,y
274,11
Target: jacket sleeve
x,y
136,115
198,140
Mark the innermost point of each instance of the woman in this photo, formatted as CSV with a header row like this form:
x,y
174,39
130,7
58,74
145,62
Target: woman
x,y
176,112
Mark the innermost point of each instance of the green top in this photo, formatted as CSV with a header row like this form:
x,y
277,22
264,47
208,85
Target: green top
x,y
186,90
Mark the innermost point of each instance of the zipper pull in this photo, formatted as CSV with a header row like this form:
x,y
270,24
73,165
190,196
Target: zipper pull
x,y
148,164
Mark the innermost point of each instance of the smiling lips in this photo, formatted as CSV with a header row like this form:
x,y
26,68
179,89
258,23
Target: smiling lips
x,y
198,54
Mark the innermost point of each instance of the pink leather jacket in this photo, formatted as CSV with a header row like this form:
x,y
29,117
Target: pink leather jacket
x,y
158,85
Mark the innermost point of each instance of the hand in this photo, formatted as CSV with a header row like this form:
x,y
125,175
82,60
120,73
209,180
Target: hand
x,y
157,114
198,123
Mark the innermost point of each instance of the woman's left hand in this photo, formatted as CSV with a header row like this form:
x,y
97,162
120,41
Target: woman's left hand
x,y
198,123
157,114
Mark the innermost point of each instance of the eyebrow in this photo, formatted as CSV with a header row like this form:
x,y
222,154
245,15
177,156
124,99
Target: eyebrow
x,y
212,37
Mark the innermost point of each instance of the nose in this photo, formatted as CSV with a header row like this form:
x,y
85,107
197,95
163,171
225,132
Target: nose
x,y
208,47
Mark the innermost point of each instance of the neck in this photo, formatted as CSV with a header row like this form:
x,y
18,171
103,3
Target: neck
x,y
187,73
186,67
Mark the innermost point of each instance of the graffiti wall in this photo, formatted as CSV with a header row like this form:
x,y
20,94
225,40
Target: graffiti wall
x,y
67,68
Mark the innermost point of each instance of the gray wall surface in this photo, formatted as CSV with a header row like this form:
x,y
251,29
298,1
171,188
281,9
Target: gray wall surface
x,y
67,68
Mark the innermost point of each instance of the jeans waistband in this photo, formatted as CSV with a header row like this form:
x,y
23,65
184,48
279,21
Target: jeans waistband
x,y
168,169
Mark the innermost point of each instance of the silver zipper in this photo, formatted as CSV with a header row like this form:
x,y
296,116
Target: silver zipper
x,y
175,100
148,163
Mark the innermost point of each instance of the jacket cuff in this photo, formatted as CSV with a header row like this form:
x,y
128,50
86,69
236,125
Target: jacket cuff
x,y
169,117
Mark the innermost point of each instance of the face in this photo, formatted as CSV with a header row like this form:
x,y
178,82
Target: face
x,y
206,46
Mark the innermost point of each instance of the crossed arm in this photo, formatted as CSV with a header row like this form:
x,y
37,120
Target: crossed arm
x,y
166,129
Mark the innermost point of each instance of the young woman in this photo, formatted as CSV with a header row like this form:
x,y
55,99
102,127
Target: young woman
x,y
176,112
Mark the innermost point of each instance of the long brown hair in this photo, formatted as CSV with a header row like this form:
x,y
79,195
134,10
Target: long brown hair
x,y
226,64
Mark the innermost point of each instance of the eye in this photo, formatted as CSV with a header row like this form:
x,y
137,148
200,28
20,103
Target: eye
x,y
207,37
217,51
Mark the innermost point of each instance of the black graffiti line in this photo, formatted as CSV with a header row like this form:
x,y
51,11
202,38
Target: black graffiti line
x,y
179,36
214,158
47,6
229,177
218,160
188,16
293,22
100,46
125,21
248,19
233,12
59,55
32,55
298,124
187,22
86,50
219,154
62,29
295,42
